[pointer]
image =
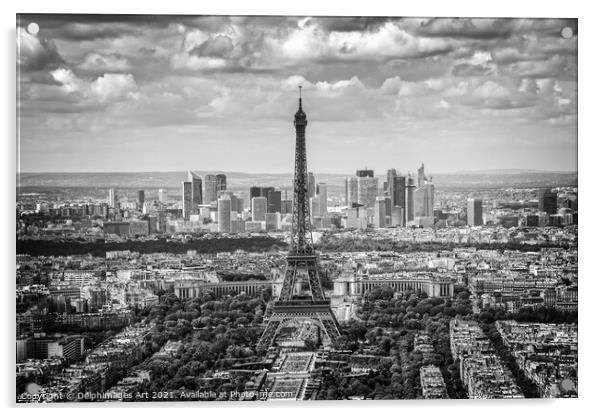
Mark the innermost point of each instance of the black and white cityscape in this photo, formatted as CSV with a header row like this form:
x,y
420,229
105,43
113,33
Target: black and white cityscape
x,y
283,208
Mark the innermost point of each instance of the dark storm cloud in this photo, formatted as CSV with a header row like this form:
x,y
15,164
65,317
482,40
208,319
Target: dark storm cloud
x,y
349,24
466,28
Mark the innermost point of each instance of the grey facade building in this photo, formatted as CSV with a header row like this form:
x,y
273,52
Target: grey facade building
x,y
409,211
380,213
311,185
210,194
186,199
223,214
474,212
259,207
197,191
323,198
547,201
367,191
351,187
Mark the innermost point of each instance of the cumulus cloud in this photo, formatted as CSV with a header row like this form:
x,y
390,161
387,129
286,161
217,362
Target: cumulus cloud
x,y
114,87
389,41
76,93
398,78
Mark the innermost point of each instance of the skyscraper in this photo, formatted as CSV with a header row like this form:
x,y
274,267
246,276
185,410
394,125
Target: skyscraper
x,y
388,207
351,188
259,207
474,212
421,176
424,200
409,209
197,191
221,182
112,199
311,185
395,189
391,173
323,197
186,199
380,213
274,201
223,214
367,191
253,192
162,195
141,198
547,201
211,185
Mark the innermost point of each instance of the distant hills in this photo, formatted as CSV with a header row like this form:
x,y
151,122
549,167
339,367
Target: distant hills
x,y
240,180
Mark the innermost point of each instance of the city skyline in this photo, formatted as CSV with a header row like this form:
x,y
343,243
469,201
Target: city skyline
x,y
488,93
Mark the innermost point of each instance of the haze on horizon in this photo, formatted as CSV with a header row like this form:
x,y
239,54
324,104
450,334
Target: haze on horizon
x,y
115,93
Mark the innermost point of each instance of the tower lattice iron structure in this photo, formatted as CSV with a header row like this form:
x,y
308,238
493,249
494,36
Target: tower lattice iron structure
x,y
301,260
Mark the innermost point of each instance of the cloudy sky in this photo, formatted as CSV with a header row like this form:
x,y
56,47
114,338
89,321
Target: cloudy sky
x,y
159,93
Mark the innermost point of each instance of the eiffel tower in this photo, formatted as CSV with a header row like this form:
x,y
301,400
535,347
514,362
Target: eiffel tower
x,y
301,260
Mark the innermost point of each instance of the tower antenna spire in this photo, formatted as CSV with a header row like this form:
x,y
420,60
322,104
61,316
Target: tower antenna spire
x,y
300,96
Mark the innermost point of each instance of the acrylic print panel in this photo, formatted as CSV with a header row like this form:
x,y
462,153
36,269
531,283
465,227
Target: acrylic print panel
x,y
295,208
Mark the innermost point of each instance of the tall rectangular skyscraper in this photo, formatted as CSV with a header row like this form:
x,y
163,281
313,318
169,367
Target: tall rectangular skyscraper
x,y
162,195
367,191
421,176
397,191
140,198
311,185
223,214
380,213
186,199
197,191
211,185
391,173
409,209
259,207
474,212
323,198
274,201
112,199
351,187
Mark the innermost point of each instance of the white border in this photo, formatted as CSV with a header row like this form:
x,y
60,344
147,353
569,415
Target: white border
x,y
589,172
